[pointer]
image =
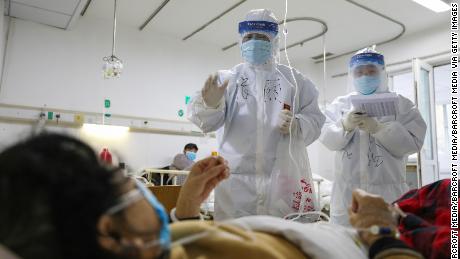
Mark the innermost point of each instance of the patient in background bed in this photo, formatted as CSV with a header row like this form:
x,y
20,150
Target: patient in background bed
x,y
184,161
55,195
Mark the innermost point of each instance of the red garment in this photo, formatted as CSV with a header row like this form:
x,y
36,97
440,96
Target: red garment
x,y
106,156
427,226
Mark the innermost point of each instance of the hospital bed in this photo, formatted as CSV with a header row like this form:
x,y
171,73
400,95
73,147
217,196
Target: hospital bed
x,y
323,186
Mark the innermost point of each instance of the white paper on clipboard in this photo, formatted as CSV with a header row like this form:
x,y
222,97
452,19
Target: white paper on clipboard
x,y
376,105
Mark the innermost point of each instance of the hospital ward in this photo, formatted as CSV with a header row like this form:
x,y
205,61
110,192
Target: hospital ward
x,y
220,129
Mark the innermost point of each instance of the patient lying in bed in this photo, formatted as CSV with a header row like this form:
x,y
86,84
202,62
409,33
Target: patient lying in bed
x,y
57,183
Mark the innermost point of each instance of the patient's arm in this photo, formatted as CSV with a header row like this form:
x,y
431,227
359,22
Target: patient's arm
x,y
371,210
203,178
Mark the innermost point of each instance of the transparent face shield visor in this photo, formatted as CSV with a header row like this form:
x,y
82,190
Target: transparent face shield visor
x,y
367,74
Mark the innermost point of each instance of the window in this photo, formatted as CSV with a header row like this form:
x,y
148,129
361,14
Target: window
x,y
442,98
403,84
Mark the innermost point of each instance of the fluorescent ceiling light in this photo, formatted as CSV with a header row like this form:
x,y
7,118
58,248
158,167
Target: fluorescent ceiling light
x,y
434,5
104,131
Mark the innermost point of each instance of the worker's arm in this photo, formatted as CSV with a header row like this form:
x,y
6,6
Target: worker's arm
x,y
208,119
406,134
207,108
309,116
333,135
202,179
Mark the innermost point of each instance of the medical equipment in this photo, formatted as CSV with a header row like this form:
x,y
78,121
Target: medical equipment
x,y
113,66
367,84
387,231
190,155
164,235
367,73
256,51
316,216
302,206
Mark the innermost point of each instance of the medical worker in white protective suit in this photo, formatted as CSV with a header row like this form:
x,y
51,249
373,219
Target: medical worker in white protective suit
x,y
371,152
251,108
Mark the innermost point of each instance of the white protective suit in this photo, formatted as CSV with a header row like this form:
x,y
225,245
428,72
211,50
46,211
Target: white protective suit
x,y
248,134
376,162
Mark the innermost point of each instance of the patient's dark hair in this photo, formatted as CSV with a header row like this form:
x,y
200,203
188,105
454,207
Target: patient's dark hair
x,y
53,190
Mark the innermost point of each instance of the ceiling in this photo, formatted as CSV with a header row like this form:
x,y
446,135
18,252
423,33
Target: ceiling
x,y
349,26
57,13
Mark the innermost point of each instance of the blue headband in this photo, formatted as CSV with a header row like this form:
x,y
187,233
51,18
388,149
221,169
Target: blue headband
x,y
254,26
365,58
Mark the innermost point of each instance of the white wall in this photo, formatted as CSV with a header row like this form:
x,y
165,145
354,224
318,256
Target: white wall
x,y
62,69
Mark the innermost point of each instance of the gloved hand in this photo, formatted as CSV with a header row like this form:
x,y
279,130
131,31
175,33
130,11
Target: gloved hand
x,y
369,125
284,121
351,120
212,93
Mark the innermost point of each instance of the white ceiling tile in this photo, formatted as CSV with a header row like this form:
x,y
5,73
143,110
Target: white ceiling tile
x,y
60,6
39,15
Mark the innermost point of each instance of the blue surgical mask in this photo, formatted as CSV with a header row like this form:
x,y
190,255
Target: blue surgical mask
x,y
367,84
256,51
165,236
141,192
190,155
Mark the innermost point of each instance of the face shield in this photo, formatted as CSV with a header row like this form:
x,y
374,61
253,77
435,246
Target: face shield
x,y
259,41
367,73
